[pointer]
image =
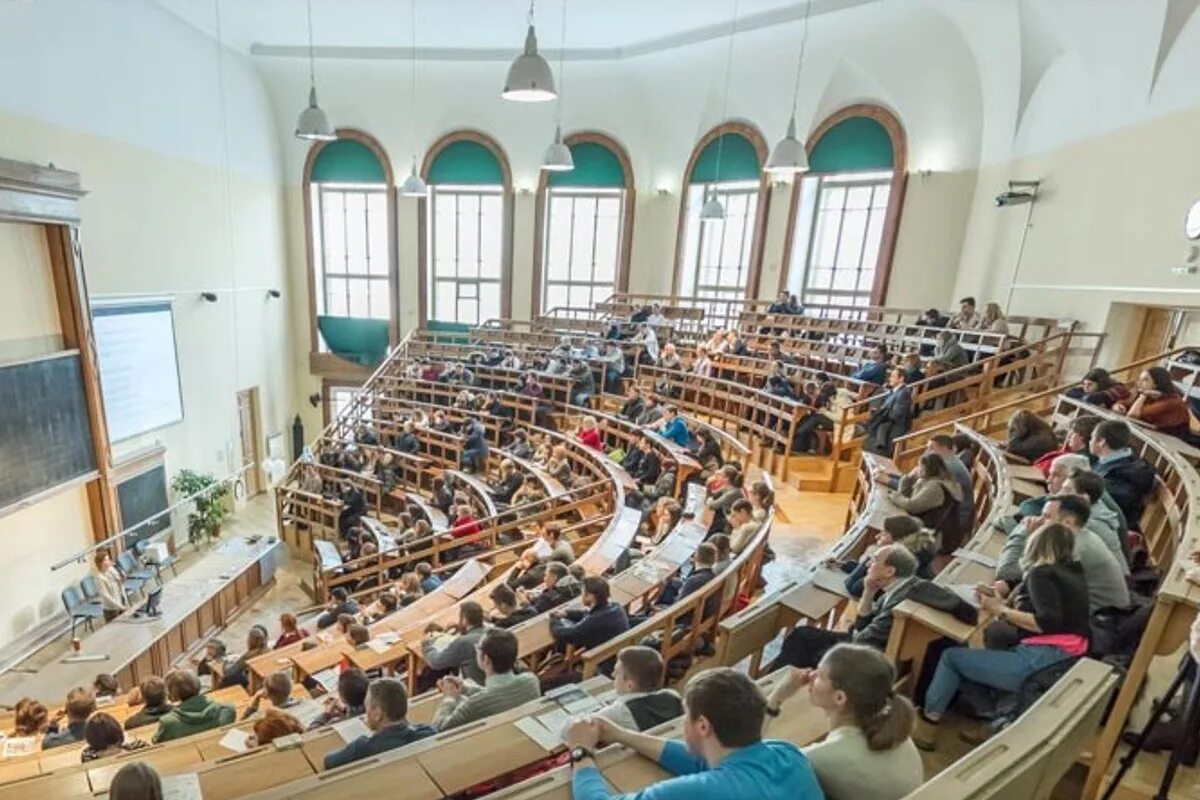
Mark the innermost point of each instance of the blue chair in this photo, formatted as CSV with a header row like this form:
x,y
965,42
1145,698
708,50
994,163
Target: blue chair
x,y
133,570
170,561
91,594
78,610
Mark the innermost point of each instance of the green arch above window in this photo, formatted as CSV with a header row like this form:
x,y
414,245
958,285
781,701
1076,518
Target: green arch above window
x,y
466,162
595,165
739,160
347,161
856,144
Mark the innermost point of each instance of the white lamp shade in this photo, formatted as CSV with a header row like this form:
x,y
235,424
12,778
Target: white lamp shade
x,y
313,125
529,78
558,156
712,211
413,185
788,156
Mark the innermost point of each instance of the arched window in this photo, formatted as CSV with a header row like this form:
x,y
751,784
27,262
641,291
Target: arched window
x,y
720,259
466,262
847,208
351,238
584,226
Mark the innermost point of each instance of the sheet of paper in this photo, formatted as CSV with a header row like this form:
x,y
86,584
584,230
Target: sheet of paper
x,y
235,740
378,645
328,679
555,721
181,787
580,705
646,571
388,637
307,711
977,557
964,590
534,730
351,729
20,746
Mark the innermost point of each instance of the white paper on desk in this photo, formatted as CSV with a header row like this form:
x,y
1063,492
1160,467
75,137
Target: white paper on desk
x,y
351,729
306,711
964,590
388,637
328,679
646,571
678,551
20,746
235,740
181,787
974,555
555,721
543,738
378,645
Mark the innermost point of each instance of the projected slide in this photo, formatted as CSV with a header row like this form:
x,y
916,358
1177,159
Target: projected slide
x,y
139,369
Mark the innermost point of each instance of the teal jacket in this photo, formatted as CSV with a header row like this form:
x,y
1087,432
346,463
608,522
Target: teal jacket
x,y
194,715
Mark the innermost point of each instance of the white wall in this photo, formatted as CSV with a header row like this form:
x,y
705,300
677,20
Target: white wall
x,y
177,146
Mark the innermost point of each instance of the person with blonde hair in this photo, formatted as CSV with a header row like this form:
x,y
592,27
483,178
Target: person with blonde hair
x,y
589,433
868,753
992,320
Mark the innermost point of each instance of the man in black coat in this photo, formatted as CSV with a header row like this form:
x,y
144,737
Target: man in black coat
x,y
1127,477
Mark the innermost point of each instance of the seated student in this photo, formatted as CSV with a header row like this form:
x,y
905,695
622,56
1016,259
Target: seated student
x,y
900,529
519,446
152,693
193,713
509,610
967,318
724,490
648,465
1029,436
277,687
350,700
724,758
387,602
105,737
1104,518
274,724
213,658
238,672
507,483
891,579
1099,388
689,582
531,491
30,718
290,631
868,753
429,581
386,717
911,364
528,572
948,354
80,705
136,780
777,383
931,494
673,428
339,603
742,525
558,586
1158,402
589,433
459,653
1047,622
599,620
633,405
876,370
1076,443
560,549
891,416
640,701
1127,477
720,543
503,688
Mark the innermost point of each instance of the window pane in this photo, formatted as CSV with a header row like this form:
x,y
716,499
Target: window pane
x,y
491,234
468,235
556,296
466,289
356,232
468,312
832,197
359,295
858,197
558,251
489,300
854,228
445,236
826,238
377,233
580,295
608,240
333,232
445,301
380,302
335,297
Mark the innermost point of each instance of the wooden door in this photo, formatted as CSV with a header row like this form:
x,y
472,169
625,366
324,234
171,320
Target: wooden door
x,y
248,430
1158,328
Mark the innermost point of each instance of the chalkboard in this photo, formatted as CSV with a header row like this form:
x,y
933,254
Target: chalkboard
x,y
140,498
45,432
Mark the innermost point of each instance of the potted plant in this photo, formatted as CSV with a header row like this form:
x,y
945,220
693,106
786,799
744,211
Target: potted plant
x,y
210,506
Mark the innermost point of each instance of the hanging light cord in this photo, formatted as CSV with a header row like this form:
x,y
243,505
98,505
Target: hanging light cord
x,y
562,66
725,99
312,72
529,16
230,243
800,60
413,78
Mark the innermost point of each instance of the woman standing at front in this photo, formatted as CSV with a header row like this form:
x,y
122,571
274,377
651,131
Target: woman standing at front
x,y
111,586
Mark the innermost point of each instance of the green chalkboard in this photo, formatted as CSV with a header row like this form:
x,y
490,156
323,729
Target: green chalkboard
x,y
140,498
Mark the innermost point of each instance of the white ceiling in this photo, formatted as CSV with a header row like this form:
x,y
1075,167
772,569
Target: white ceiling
x,y
482,29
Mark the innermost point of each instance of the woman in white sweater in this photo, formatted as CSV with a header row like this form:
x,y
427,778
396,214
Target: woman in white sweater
x,y
111,586
868,753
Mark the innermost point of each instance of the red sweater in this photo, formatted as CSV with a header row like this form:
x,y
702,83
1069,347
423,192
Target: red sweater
x,y
464,527
591,438
291,638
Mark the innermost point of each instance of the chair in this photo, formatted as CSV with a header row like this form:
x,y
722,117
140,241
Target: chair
x,y
91,594
78,610
136,576
169,561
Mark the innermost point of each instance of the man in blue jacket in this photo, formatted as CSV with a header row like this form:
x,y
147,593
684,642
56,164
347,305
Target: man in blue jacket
x,y
387,717
600,620
672,427
723,755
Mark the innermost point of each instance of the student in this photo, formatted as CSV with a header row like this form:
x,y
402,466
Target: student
x,y
509,611
589,434
386,717
429,581
153,693
967,318
80,705
340,603
105,737
106,688
868,753
892,417
214,656
558,586
459,654
1029,436
1158,402
463,701
194,713
876,370
110,585
599,620
948,354
273,725
723,755
238,673
673,428
560,548
634,404
350,700
742,524
932,496
290,631
528,572
278,689
136,780
507,483
1127,477
640,700
30,718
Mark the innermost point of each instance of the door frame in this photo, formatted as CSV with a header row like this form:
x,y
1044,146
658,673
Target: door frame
x,y
252,480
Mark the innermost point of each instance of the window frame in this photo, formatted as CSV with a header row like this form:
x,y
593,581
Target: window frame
x,y
628,205
462,190
891,223
321,275
762,207
325,364
424,265
581,192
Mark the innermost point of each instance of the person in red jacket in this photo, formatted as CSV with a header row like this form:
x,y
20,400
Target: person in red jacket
x,y
464,524
589,434
290,631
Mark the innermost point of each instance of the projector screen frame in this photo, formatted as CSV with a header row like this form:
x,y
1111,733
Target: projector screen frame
x,y
116,304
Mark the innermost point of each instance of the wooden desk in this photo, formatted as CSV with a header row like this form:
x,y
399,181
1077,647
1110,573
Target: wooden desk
x,y
194,604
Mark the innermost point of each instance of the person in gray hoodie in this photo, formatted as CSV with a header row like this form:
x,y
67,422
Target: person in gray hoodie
x,y
932,495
